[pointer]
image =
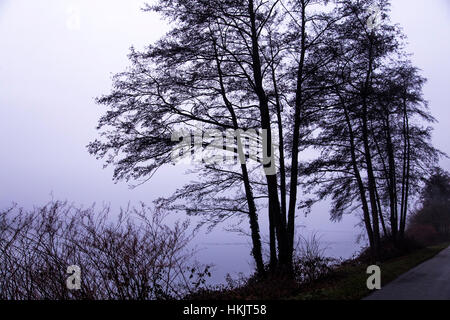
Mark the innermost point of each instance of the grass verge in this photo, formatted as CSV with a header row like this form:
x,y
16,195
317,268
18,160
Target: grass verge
x,y
349,280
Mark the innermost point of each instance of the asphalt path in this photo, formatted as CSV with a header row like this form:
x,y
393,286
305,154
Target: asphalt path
x,y
427,281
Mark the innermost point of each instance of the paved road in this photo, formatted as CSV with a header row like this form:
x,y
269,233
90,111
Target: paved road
x,y
428,281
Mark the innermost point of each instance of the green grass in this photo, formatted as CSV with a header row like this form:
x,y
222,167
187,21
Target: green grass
x,y
349,282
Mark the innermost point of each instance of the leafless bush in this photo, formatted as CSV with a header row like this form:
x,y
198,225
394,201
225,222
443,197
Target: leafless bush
x,y
136,256
310,262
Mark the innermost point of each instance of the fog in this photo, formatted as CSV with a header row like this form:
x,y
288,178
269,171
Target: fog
x,y
57,56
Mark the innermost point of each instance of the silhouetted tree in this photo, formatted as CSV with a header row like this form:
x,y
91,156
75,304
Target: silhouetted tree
x,y
310,74
372,136
434,208
224,65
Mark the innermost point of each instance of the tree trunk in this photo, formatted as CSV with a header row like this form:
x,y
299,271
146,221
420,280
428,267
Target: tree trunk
x,y
406,171
362,192
272,183
296,137
253,216
392,183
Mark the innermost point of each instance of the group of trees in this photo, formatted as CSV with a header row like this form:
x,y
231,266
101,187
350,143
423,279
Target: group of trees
x,y
314,75
374,144
431,220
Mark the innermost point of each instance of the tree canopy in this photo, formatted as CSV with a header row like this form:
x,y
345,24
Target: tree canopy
x,y
311,75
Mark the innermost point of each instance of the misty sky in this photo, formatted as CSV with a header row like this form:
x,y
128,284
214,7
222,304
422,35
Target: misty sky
x,y
56,56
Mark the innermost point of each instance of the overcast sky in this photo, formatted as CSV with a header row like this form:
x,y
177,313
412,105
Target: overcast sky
x,y
56,56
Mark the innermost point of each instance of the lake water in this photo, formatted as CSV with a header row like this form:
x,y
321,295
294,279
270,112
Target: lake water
x,y
230,253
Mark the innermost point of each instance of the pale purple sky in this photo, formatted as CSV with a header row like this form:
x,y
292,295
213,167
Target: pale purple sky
x,y
56,56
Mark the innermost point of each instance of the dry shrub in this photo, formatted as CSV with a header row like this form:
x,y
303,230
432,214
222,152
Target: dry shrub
x,y
310,262
136,256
